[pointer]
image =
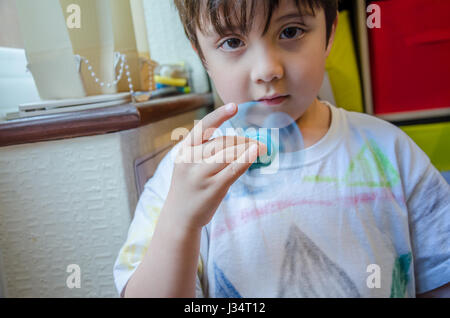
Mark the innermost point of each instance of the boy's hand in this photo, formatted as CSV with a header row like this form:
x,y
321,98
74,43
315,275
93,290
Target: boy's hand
x,y
204,170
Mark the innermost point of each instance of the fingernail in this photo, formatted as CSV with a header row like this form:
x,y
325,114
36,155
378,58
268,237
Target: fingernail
x,y
230,108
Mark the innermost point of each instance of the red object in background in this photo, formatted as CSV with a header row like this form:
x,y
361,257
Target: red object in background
x,y
410,56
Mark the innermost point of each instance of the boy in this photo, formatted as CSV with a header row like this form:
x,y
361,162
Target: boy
x,y
363,214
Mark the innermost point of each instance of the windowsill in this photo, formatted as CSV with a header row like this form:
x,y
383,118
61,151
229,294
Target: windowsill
x,y
98,121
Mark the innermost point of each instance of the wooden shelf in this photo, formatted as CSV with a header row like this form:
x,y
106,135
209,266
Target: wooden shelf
x,y
98,121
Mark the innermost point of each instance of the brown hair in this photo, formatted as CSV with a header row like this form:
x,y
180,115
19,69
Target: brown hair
x,y
221,13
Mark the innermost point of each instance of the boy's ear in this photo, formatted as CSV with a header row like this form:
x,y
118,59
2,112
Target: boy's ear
x,y
195,49
332,34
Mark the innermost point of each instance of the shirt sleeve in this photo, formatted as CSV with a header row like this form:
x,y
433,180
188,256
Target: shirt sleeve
x,y
428,202
143,225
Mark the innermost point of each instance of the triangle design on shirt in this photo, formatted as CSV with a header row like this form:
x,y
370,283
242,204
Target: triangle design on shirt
x,y
308,272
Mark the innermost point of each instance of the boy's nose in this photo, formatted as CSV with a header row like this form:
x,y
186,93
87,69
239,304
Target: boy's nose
x,y
267,67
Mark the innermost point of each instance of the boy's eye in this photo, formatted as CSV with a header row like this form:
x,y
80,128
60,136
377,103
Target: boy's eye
x,y
291,32
231,44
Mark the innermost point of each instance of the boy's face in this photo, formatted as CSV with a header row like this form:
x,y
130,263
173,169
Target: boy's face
x,y
288,60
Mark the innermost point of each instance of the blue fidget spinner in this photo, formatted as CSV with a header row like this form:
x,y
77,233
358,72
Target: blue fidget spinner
x,y
277,130
263,135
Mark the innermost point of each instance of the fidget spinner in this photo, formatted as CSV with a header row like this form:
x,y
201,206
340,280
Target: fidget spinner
x,y
277,130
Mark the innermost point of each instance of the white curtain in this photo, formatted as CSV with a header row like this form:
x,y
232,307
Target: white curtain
x,y
107,27
49,50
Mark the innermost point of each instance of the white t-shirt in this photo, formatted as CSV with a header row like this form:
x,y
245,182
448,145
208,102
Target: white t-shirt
x,y
361,213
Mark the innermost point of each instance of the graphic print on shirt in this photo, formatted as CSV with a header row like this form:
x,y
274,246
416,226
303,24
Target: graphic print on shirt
x,y
223,287
308,272
369,168
400,276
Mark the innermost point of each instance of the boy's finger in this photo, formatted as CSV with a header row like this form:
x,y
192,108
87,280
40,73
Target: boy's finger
x,y
235,169
223,158
205,128
213,150
215,145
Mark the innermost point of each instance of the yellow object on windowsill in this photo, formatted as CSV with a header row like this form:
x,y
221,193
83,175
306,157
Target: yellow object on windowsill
x,y
179,82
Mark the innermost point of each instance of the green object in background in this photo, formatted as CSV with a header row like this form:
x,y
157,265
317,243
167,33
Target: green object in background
x,y
434,140
342,67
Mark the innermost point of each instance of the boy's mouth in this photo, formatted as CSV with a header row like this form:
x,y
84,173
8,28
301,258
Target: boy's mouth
x,y
273,100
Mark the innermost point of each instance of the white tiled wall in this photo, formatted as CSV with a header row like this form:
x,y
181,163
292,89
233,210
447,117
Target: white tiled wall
x,y
70,202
